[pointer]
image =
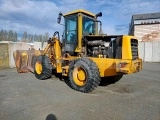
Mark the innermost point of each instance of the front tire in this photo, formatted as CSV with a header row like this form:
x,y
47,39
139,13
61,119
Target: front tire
x,y
42,67
83,75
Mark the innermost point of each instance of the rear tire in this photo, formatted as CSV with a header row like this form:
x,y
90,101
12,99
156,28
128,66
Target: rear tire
x,y
42,67
83,75
110,80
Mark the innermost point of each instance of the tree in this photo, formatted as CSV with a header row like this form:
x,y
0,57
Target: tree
x,y
29,38
5,35
2,35
15,37
10,35
32,38
35,38
40,38
46,37
24,37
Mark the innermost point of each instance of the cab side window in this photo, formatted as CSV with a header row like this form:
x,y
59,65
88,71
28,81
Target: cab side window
x,y
87,26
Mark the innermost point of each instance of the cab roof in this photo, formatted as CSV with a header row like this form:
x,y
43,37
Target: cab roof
x,y
79,11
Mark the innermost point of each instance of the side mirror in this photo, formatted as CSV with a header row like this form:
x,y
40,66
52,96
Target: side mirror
x,y
59,18
98,14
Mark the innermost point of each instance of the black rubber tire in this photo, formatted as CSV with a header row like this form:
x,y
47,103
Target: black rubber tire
x,y
110,80
46,67
92,71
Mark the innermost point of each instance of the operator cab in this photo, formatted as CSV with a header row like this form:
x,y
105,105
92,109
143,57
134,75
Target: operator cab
x,y
78,23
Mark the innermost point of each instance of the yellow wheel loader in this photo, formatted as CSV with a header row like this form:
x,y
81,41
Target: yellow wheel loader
x,y
85,55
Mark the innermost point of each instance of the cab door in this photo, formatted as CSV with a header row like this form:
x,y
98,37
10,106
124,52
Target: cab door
x,y
70,42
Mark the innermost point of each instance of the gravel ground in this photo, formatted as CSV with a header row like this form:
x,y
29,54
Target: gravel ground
x,y
134,97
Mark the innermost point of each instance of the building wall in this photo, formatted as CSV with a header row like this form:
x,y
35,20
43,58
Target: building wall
x,y
148,32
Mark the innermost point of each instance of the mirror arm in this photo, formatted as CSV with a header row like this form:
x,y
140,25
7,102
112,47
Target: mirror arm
x,y
59,18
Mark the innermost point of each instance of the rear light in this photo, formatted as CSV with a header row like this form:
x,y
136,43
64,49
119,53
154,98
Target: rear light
x,y
122,64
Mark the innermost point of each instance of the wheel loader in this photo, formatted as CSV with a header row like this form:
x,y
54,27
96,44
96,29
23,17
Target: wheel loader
x,y
84,55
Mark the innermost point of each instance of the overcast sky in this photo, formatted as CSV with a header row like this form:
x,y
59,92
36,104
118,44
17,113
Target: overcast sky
x,y
40,16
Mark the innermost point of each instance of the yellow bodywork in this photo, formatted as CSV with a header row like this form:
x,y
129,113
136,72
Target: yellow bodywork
x,y
79,46
110,67
80,11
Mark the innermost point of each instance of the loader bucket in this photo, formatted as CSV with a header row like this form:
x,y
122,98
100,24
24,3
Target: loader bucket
x,y
24,60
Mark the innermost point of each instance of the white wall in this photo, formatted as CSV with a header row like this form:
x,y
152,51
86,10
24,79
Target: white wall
x,y
149,51
38,45
156,52
141,50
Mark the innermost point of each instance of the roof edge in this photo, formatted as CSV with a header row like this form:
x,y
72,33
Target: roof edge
x,y
80,11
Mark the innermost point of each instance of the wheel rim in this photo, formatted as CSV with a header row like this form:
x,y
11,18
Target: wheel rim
x,y
79,76
38,67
